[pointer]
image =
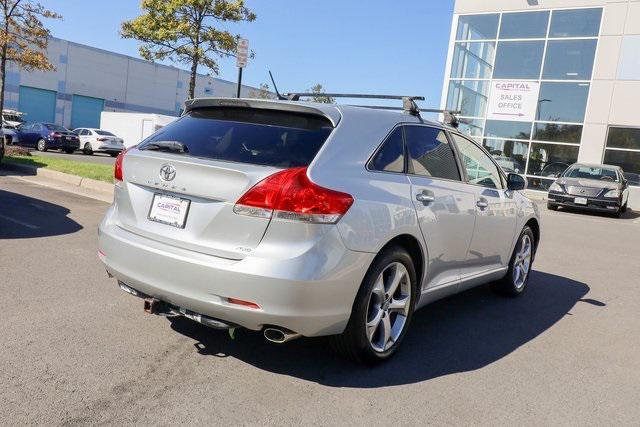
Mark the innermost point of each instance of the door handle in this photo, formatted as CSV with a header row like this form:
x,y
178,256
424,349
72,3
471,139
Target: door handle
x,y
425,196
482,203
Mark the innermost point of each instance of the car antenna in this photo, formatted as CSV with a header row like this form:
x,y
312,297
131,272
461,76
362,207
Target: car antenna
x,y
280,97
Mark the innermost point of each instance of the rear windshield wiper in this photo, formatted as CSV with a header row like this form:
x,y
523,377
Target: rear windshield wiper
x,y
169,146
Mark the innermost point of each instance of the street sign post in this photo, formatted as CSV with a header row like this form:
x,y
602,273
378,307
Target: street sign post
x,y
242,53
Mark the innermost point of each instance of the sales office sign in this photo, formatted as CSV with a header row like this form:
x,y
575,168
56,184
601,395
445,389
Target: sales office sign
x,y
513,100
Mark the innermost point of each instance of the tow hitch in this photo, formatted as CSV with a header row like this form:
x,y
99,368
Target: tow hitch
x,y
154,306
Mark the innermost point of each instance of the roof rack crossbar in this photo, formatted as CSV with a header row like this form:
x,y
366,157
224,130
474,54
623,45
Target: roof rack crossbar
x,y
408,102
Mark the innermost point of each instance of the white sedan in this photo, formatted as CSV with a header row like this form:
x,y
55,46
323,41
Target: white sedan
x,y
98,140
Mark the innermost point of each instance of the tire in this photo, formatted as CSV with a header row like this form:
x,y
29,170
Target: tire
x,y
69,150
374,304
552,207
623,209
513,284
87,149
41,145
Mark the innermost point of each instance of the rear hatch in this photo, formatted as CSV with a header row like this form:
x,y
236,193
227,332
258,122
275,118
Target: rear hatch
x,y
202,164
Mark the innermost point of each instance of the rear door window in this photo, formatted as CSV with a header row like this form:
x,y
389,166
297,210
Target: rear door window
x,y
430,153
246,135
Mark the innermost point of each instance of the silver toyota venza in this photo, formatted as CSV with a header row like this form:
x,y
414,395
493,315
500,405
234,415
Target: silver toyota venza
x,y
308,219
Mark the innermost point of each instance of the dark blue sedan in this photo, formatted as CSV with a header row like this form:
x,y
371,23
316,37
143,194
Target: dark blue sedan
x,y
46,136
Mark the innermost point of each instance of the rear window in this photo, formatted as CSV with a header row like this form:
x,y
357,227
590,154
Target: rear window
x,y
103,133
246,135
56,128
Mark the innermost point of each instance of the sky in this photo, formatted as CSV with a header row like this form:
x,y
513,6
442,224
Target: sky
x,y
375,46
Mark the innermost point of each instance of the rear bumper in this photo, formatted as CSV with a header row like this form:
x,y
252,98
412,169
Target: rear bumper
x,y
59,143
112,148
310,293
593,204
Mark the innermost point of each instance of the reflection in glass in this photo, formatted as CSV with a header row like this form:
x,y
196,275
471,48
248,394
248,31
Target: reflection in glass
x,y
629,161
539,183
507,129
562,102
390,157
430,153
550,160
480,169
624,138
569,59
575,23
473,60
471,127
510,155
554,132
518,60
528,25
468,96
477,27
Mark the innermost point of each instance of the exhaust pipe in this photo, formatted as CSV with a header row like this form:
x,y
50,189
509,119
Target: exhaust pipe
x,y
280,336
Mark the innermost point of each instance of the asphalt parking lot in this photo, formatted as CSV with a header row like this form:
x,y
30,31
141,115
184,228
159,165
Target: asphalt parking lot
x,y
75,349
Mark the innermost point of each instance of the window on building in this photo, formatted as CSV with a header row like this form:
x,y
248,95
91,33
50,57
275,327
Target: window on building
x,y
473,60
562,102
510,155
507,129
468,96
550,160
390,157
518,60
554,132
524,25
479,167
623,149
430,153
569,59
471,127
575,23
477,27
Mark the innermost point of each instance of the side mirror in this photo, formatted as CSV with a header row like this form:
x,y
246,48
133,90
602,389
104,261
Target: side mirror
x,y
516,182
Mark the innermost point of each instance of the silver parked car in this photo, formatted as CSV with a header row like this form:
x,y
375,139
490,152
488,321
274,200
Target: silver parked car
x,y
600,188
308,219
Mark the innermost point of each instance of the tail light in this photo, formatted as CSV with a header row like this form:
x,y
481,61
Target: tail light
x,y
118,172
290,194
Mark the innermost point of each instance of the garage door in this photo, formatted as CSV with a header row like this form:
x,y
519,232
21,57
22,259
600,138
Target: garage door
x,y
38,104
85,111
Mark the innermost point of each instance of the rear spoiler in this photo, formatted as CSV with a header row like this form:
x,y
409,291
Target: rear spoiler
x,y
330,113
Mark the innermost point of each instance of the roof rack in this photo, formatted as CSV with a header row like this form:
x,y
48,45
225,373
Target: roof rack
x,y
408,102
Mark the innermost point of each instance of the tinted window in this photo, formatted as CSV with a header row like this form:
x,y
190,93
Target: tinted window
x,y
103,132
575,23
557,133
507,129
390,157
629,161
569,59
562,102
430,153
519,60
477,27
56,128
246,135
551,160
524,25
624,138
473,60
478,165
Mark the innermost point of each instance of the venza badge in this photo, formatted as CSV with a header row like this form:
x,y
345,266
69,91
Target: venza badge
x,y
167,172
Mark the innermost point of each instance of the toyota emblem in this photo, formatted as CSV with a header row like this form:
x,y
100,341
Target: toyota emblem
x,y
167,172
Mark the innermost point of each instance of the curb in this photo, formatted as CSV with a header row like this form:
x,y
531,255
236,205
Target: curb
x,y
77,181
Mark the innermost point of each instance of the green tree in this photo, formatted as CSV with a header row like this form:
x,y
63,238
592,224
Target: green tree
x,y
263,92
187,32
23,38
317,88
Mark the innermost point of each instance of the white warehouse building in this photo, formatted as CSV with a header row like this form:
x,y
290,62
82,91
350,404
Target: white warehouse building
x,y
546,83
87,81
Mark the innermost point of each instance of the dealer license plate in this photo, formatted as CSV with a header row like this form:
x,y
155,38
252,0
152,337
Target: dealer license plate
x,y
580,201
169,210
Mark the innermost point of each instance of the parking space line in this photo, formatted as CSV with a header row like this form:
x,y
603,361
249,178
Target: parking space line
x,y
24,224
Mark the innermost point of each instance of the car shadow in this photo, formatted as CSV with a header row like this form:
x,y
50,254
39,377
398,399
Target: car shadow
x,y
458,334
23,217
630,214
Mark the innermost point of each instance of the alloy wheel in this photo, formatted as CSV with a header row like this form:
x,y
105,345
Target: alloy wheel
x,y
522,262
388,308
